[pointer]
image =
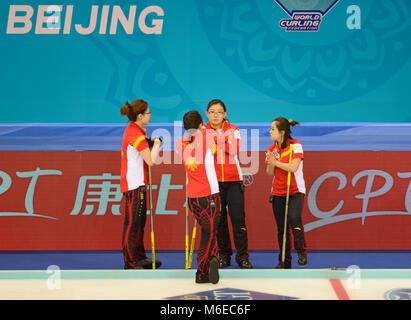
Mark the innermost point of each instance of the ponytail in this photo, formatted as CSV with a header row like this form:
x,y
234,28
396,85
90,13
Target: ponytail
x,y
293,122
125,108
285,124
133,109
190,134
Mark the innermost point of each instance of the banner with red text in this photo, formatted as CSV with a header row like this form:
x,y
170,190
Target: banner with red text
x,y
70,200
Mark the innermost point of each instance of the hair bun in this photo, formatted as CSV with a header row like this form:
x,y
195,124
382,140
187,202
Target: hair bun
x,y
293,122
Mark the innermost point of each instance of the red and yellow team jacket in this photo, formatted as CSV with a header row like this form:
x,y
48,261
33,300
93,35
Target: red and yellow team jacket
x,y
228,143
134,170
279,183
198,160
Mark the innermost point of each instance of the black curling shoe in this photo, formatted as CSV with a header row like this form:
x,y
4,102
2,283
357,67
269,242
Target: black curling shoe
x,y
213,274
202,279
147,263
245,264
225,262
302,259
282,266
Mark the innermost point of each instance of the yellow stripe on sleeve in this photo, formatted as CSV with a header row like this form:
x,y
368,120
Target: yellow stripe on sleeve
x,y
137,142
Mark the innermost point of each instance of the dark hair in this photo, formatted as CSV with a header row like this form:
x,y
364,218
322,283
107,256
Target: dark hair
x,y
191,121
285,124
217,101
133,109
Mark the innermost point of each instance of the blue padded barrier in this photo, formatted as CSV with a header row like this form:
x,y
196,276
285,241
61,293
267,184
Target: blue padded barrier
x,y
315,136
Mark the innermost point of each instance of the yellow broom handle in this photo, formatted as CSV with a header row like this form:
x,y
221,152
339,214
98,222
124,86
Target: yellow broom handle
x,y
153,252
286,206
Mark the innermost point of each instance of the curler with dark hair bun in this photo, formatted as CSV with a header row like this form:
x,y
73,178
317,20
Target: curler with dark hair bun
x,y
191,121
284,124
133,109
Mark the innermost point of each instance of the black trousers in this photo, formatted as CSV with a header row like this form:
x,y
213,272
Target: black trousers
x,y
134,208
294,222
232,197
206,211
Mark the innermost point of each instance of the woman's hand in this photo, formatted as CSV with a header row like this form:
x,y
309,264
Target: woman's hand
x,y
271,160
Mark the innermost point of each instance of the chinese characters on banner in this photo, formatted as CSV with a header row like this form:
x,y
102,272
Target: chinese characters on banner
x,y
52,200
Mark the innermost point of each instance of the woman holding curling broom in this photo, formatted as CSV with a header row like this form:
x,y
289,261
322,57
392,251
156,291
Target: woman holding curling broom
x,y
136,156
231,186
196,150
285,163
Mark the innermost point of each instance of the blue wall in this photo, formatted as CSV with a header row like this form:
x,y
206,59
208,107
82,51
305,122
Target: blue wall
x,y
232,50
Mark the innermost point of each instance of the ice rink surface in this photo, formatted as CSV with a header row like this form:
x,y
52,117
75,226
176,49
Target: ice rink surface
x,y
235,284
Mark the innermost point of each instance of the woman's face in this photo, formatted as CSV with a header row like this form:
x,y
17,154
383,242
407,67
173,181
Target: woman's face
x,y
275,134
145,117
216,114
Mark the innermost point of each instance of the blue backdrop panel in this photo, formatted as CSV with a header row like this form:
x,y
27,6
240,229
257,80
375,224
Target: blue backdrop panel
x,y
354,68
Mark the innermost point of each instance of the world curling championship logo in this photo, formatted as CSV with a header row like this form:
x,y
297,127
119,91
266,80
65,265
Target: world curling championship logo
x,y
305,15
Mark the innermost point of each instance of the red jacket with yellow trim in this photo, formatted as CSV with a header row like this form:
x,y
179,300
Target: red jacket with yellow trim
x,y
134,170
297,182
228,142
